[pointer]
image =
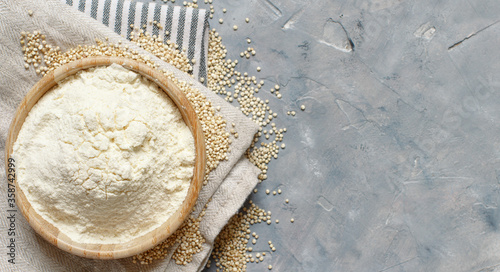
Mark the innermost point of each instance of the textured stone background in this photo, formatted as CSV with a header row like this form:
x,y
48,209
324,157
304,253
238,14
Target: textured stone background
x,y
394,165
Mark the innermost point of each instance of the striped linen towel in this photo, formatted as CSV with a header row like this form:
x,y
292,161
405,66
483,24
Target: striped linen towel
x,y
187,27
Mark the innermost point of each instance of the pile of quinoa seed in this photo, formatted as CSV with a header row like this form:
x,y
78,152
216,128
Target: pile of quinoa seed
x,y
233,247
222,78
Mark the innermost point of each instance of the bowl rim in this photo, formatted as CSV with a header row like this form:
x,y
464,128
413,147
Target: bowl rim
x,y
147,241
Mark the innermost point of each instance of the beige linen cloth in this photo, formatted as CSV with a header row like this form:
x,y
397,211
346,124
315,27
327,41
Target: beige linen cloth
x,y
228,185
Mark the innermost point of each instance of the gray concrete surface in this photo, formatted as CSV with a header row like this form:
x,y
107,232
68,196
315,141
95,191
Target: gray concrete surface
x,y
394,164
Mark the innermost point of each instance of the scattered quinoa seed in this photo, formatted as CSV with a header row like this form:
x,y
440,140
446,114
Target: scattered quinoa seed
x,y
230,250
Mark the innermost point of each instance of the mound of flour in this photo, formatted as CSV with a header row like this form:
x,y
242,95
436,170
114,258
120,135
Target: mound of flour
x,y
105,156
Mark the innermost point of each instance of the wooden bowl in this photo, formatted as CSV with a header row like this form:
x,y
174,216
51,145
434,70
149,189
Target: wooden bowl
x,y
149,240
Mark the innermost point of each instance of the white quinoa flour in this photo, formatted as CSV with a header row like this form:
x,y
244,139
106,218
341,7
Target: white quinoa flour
x,y
105,156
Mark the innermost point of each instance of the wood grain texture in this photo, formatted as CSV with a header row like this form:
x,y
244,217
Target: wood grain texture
x,y
149,240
